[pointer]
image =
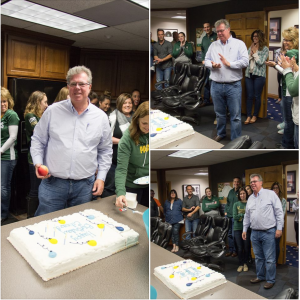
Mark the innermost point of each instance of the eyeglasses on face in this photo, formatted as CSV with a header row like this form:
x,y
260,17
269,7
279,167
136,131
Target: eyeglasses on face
x,y
221,31
80,84
287,41
254,181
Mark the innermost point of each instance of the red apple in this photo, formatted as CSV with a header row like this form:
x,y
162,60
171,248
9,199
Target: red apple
x,y
43,170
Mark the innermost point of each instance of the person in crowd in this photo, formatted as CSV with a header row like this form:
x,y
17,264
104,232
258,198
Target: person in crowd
x,y
210,204
133,158
120,120
243,246
182,50
71,179
256,73
152,68
173,213
104,103
175,38
231,199
265,217
295,208
249,190
162,51
136,99
226,75
63,94
276,187
209,38
156,207
9,155
190,208
291,42
94,98
36,105
291,76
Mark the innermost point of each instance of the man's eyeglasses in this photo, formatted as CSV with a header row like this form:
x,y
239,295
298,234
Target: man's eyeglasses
x,y
81,84
288,41
254,181
220,31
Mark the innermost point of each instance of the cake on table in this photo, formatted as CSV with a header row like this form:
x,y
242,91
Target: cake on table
x,y
187,278
60,245
166,129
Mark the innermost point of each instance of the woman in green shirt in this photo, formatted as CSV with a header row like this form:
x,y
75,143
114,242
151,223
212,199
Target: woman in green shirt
x,y
243,246
36,105
182,50
9,155
276,187
210,204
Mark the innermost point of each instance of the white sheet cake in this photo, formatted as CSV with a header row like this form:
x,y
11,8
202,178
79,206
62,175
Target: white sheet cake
x,y
187,278
166,129
58,246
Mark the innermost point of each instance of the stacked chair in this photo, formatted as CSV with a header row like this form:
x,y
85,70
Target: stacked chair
x,y
244,142
153,226
162,234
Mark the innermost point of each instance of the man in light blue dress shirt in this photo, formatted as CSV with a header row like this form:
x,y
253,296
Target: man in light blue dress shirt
x,y
73,139
265,217
226,58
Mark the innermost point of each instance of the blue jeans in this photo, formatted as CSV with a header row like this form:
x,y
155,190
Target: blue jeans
x,y
191,225
227,95
243,247
207,88
254,88
288,134
296,136
56,193
163,75
263,243
109,185
175,233
7,169
231,236
34,182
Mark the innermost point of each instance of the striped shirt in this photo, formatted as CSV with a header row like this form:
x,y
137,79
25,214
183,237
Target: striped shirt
x,y
259,59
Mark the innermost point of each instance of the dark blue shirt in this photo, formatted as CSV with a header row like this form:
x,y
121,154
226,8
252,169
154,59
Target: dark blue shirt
x,y
173,215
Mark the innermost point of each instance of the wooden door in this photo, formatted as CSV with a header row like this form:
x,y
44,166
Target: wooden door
x,y
243,25
270,175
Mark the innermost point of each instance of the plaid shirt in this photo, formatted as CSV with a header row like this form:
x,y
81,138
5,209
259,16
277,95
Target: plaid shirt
x,y
259,62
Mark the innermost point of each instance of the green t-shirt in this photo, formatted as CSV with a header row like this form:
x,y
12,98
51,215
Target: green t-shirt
x,y
10,118
239,209
209,204
30,122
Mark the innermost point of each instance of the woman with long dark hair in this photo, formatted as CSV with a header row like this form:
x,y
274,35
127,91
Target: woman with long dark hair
x,y
243,246
256,73
173,213
182,50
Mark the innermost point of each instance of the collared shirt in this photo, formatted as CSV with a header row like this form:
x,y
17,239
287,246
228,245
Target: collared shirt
x,y
235,52
73,146
206,42
188,203
263,211
161,51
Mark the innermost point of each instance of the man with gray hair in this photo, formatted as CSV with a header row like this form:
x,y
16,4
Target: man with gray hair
x,y
226,58
73,139
264,215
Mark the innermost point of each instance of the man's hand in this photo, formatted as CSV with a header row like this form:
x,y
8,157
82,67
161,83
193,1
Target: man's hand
x,y
192,208
278,234
37,173
203,62
244,235
158,60
214,65
120,201
224,60
98,187
225,214
189,215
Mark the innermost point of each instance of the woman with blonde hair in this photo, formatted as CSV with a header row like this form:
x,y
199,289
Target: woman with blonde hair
x,y
36,105
133,158
9,132
63,94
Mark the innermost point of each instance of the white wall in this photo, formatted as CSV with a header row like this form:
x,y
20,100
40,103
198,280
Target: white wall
x,y
166,24
290,233
289,18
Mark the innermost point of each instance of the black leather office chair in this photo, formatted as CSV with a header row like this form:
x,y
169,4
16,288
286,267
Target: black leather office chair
x,y
154,226
244,142
175,81
164,232
288,293
201,230
214,244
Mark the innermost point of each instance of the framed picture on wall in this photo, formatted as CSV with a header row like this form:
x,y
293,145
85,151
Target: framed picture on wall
x,y
275,30
289,205
196,190
169,34
291,182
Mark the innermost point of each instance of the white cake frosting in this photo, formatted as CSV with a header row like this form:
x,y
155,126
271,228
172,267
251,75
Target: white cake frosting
x,y
166,129
58,246
187,278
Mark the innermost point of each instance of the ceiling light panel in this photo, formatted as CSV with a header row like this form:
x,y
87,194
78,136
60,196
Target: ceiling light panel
x,y
38,14
188,153
144,3
179,17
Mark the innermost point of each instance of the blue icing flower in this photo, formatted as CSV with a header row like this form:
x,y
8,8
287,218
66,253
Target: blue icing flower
x,y
91,217
31,232
174,126
52,254
153,134
207,275
189,284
